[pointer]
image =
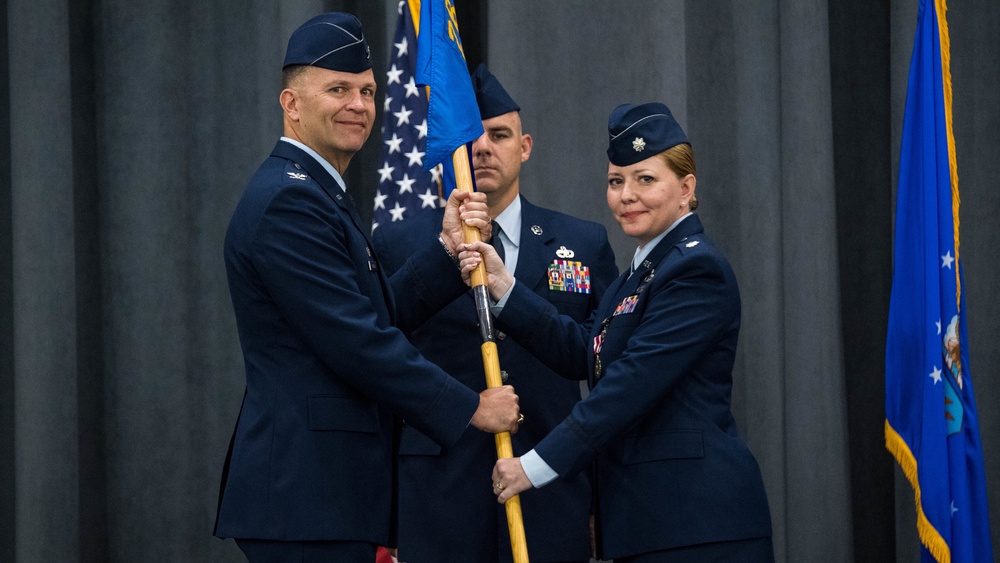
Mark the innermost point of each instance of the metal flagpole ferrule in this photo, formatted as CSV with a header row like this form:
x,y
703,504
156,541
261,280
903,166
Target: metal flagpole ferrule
x,y
481,293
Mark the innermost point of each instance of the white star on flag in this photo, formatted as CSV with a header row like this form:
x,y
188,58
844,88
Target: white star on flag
x,y
411,89
406,184
402,116
394,144
429,199
946,260
935,375
416,157
393,75
397,212
385,173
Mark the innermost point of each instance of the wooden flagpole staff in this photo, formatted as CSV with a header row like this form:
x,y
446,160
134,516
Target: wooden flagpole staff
x,y
491,360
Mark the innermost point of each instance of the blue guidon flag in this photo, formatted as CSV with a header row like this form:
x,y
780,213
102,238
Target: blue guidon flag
x,y
931,425
453,115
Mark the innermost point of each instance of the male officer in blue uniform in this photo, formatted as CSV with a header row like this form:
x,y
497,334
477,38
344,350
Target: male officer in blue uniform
x,y
445,513
308,476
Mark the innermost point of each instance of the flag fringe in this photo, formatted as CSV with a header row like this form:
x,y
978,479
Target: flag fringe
x,y
414,6
929,536
941,8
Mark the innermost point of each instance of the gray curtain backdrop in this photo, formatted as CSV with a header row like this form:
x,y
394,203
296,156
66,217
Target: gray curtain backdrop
x,y
129,130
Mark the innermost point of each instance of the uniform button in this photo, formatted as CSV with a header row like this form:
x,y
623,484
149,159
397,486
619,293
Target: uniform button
x,y
501,335
503,376
297,167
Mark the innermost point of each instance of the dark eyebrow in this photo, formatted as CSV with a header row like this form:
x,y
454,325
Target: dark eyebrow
x,y
350,84
500,129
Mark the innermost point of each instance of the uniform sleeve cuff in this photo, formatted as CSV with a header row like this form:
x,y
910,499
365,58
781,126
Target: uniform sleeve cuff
x,y
497,307
538,472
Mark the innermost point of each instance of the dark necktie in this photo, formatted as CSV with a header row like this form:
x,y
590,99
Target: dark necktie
x,y
496,242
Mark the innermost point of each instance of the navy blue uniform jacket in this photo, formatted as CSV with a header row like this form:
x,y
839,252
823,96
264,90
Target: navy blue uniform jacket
x,y
312,453
670,467
447,510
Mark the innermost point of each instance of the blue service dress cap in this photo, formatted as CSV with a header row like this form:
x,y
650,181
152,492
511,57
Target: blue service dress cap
x,y
636,133
333,41
491,97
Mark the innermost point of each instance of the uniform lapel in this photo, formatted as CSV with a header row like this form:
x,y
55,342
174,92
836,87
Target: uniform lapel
x,y
535,252
618,290
614,294
686,228
627,285
323,178
344,201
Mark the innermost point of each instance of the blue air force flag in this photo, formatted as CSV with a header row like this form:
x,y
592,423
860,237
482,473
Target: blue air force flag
x,y
931,425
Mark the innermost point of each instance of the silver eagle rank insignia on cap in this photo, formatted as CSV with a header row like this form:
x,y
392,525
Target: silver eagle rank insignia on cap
x,y
639,144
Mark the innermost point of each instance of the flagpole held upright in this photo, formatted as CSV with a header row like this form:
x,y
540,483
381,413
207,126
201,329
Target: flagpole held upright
x,y
491,360
453,120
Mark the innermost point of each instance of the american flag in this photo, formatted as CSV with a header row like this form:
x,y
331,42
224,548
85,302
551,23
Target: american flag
x,y
404,188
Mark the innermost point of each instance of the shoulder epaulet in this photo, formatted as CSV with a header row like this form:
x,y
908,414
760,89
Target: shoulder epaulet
x,y
688,244
295,172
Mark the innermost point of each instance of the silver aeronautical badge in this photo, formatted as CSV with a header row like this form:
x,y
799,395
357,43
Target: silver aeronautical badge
x,y
564,252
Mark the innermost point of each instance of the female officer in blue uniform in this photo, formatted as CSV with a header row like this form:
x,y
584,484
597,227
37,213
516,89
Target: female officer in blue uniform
x,y
673,479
